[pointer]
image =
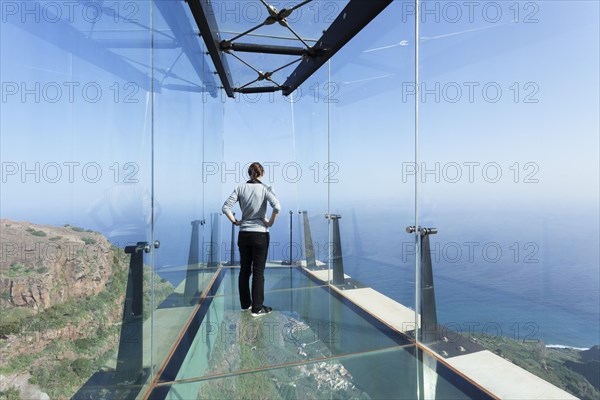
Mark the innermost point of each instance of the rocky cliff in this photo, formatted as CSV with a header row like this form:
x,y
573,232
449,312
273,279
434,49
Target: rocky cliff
x,y
61,302
44,265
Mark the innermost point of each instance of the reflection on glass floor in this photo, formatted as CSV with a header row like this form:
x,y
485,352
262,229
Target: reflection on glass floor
x,y
315,344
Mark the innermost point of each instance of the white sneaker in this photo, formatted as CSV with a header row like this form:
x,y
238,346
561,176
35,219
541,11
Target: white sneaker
x,y
263,311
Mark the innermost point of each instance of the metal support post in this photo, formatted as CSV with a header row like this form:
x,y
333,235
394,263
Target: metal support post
x,y
429,325
130,356
338,261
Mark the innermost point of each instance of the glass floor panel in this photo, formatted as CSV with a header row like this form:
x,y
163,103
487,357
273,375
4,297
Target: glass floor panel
x,y
276,278
315,344
311,322
392,373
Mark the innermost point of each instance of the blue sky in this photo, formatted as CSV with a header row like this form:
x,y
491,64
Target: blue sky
x,y
549,54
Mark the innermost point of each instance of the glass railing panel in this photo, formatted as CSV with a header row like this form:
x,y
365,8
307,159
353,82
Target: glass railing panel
x,y
75,146
372,151
515,260
259,128
186,239
282,133
311,147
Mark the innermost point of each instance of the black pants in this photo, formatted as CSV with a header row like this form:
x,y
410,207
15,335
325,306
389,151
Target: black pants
x,y
254,247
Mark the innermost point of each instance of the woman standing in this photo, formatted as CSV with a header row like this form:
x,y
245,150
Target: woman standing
x,y
253,239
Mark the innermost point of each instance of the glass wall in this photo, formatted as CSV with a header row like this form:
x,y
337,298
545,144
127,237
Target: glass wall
x,y
187,122
76,197
293,138
372,151
508,173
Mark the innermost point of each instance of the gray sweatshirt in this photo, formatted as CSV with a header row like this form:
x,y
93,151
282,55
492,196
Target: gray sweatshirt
x,y
253,197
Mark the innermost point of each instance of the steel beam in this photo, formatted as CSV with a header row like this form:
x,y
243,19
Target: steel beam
x,y
353,18
258,89
263,48
207,24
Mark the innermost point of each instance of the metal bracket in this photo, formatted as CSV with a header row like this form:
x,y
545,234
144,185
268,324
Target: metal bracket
x,y
422,231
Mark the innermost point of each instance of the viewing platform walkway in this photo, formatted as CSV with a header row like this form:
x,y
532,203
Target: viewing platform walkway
x,y
321,340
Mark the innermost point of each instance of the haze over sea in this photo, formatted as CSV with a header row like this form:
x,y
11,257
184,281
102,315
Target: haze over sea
x,y
543,286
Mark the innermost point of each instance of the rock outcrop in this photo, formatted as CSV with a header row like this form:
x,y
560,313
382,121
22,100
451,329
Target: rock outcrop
x,y
61,302
62,292
44,265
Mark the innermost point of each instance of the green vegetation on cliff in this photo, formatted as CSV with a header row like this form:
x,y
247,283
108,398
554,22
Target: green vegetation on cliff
x,y
63,344
569,369
10,394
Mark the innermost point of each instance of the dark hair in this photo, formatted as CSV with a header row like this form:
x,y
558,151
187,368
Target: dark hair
x,y
255,170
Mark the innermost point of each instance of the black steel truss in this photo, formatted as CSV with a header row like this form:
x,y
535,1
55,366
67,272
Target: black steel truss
x,y
207,24
353,18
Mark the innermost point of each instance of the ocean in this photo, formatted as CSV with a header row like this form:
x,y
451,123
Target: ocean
x,y
539,282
